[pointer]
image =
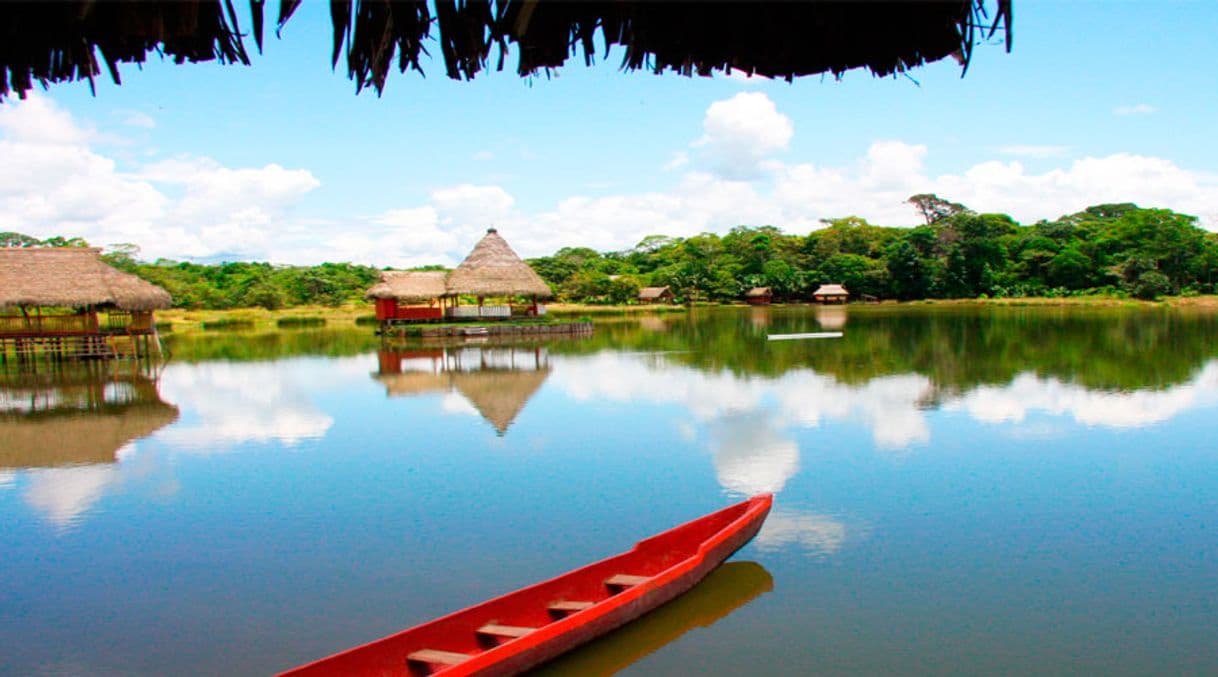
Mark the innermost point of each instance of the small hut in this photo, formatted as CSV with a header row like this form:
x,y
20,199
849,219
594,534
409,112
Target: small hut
x,y
759,296
831,293
493,270
48,280
416,296
652,295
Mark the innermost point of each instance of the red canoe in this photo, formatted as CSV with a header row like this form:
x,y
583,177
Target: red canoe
x,y
510,634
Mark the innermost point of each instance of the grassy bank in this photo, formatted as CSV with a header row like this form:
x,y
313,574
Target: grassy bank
x,y
345,316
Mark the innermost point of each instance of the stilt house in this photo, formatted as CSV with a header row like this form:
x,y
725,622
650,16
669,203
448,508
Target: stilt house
x,y
68,302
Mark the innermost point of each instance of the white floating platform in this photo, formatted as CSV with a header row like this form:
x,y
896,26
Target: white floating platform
x,y
811,335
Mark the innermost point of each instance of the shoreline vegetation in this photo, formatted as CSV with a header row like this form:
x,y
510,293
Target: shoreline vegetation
x,y
1107,254
351,315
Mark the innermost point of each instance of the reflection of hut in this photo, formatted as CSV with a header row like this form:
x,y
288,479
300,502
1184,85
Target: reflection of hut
x,y
499,395
401,295
655,295
759,317
497,380
73,278
831,293
831,318
759,296
75,416
492,269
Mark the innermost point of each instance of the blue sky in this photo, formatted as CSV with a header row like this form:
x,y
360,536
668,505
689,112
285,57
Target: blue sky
x,y
1097,102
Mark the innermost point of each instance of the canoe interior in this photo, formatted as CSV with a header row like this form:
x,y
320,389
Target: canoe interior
x,y
529,607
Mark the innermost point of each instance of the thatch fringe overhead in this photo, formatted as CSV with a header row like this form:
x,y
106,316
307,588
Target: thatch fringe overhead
x,y
58,41
72,277
493,269
409,286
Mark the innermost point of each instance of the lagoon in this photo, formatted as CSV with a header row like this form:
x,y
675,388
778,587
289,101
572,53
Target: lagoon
x,y
958,489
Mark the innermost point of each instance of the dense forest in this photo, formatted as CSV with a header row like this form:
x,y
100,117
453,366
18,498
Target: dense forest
x,y
1111,249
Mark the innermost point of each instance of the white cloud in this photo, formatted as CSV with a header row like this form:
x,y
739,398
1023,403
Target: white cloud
x,y
63,495
1135,109
224,404
1134,409
1034,151
54,181
7,478
819,534
483,156
740,132
138,119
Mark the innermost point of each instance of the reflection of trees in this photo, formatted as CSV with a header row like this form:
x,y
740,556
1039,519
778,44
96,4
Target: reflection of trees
x,y
252,346
956,347
726,589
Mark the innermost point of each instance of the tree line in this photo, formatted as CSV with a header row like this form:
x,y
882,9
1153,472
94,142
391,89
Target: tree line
x,y
1110,249
1113,249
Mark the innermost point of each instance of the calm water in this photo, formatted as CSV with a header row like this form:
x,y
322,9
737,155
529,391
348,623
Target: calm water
x,y
957,491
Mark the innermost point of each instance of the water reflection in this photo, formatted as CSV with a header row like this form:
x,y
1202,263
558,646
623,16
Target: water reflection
x,y
66,426
725,590
230,403
494,381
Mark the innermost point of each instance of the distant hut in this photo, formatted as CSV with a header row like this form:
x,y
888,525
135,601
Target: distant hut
x,y
759,296
651,295
831,293
400,295
38,279
492,269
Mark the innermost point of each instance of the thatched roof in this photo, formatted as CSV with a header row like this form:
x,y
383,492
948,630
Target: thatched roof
x,y
72,437
72,277
758,292
493,269
409,286
58,41
653,293
831,290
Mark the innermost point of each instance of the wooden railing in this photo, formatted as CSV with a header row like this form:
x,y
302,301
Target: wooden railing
x,y
43,325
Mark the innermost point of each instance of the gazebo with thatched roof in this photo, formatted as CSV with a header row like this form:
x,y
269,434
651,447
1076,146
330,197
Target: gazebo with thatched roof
x,y
400,294
492,269
831,293
759,296
74,278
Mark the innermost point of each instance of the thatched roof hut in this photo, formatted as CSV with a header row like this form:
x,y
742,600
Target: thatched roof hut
x,y
831,290
74,277
43,42
409,286
493,269
655,294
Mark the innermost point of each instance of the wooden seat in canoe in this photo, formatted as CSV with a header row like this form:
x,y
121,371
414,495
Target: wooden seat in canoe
x,y
562,607
434,657
509,631
625,581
